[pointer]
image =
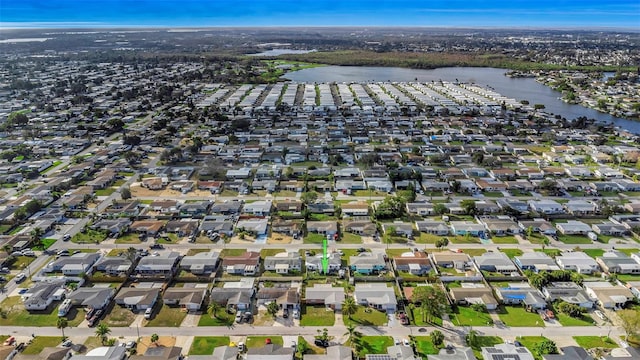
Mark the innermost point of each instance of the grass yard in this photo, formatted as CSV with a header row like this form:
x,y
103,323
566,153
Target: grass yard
x,y
590,342
204,345
537,238
464,239
316,316
128,239
504,240
270,252
259,341
474,252
231,252
425,238
518,316
530,342
21,262
417,318
424,346
105,192
593,252
119,317
484,341
313,238
551,252
222,318
41,342
167,317
466,316
89,236
366,317
376,344
18,316
511,253
567,320
574,239
46,243
349,238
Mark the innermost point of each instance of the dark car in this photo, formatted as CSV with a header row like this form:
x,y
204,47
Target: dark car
x,y
321,343
156,246
361,250
285,313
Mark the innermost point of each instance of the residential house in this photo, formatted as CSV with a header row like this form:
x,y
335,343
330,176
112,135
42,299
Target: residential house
x,y
467,227
114,227
286,227
74,265
234,295
219,225
256,226
336,352
495,262
538,225
163,266
139,298
521,294
114,265
610,229
189,298
92,297
420,208
607,295
270,352
329,228
147,227
104,353
573,227
247,264
367,263
415,263
399,228
473,293
580,207
536,261
43,293
360,227
433,227
450,260
461,353
510,203
286,295
196,209
568,292
284,263
182,228
314,263
219,353
569,353
227,207
325,294
500,225
506,351
201,263
258,208
355,209
546,206
617,262
396,352
289,206
577,261
376,295
160,353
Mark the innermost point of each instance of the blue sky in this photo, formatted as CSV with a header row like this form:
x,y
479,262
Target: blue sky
x,y
454,13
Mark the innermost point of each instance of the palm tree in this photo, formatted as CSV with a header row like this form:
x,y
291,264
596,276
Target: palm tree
x,y
349,306
61,324
155,338
353,335
102,331
36,236
213,308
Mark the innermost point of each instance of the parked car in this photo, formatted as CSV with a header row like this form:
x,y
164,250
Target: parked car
x,y
66,237
296,314
599,314
321,343
29,253
285,313
239,316
130,345
5,270
148,313
22,291
247,316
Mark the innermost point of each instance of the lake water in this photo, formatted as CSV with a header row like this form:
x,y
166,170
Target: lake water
x,y
276,52
517,88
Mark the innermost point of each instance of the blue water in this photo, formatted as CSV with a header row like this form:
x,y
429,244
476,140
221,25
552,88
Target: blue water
x,y
192,13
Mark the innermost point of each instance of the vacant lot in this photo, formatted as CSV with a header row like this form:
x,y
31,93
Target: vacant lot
x,y
466,316
518,316
167,317
204,345
589,342
367,317
41,342
316,316
119,317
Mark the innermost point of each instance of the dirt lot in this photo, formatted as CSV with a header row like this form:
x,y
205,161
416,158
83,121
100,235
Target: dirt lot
x,y
277,238
138,191
145,342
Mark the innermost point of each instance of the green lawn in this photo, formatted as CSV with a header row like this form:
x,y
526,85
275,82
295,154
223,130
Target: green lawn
x,y
504,240
466,316
89,236
349,238
537,238
464,239
589,342
417,318
222,318
128,239
484,341
41,342
530,342
628,277
474,252
566,320
425,238
518,316
18,316
271,252
259,341
424,346
21,262
551,252
376,344
593,252
574,239
313,238
316,316
511,253
168,316
204,345
367,317
105,192
46,243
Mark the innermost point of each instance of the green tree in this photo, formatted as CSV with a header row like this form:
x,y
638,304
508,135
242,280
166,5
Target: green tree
x,y
546,346
437,337
102,331
349,306
272,308
125,192
302,348
442,242
630,322
62,323
155,338
432,301
469,206
572,310
440,209
213,308
309,197
472,338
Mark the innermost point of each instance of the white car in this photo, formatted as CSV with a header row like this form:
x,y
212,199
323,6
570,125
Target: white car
x,y
20,277
148,313
599,314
